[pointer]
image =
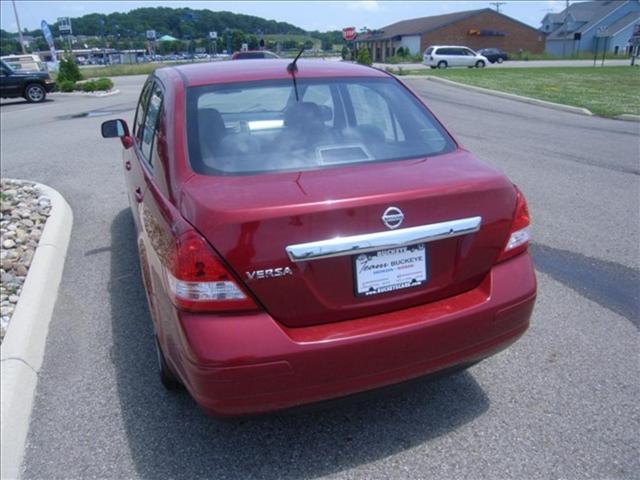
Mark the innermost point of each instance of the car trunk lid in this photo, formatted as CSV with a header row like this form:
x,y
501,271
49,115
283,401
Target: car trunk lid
x,y
252,220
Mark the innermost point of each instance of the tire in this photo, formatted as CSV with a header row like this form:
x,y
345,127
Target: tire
x,y
35,93
500,60
442,64
480,64
432,67
167,378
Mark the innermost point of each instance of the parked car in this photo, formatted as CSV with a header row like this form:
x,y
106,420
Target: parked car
x,y
25,63
494,55
253,54
33,86
438,56
304,240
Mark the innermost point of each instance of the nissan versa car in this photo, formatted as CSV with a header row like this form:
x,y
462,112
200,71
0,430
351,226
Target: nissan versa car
x,y
308,231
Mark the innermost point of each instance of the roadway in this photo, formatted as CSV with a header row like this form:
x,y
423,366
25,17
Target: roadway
x,y
560,403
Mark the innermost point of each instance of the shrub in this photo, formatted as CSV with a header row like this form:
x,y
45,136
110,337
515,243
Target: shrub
x,y
103,84
68,70
363,57
401,52
88,86
406,58
346,53
66,86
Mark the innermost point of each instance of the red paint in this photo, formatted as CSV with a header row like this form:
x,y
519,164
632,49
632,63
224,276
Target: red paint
x,y
308,337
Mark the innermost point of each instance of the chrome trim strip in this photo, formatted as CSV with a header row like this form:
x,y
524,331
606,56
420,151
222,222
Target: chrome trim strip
x,y
370,242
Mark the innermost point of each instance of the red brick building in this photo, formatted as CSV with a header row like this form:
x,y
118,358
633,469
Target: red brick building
x,y
474,28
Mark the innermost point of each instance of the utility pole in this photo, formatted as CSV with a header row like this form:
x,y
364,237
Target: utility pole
x,y
15,11
564,26
497,5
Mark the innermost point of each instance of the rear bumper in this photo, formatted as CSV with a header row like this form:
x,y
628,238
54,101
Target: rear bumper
x,y
245,364
50,87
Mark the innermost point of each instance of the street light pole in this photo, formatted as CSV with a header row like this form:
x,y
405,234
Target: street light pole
x,y
15,11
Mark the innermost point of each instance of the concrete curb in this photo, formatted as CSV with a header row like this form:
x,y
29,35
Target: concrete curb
x,y
22,350
628,117
87,94
510,96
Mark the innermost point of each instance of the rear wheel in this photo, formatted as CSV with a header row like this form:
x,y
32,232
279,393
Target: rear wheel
x,y
442,64
480,64
500,60
168,379
35,93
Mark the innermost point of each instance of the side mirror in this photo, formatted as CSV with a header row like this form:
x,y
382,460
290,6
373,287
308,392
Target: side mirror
x,y
117,128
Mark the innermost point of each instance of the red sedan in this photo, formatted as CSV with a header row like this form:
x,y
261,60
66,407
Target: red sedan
x,y
308,231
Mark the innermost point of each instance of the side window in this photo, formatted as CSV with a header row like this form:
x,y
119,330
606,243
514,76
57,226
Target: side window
x,y
321,96
370,109
141,109
150,122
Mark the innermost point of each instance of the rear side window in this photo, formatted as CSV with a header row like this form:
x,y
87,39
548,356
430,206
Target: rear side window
x,y
150,121
142,108
429,51
261,127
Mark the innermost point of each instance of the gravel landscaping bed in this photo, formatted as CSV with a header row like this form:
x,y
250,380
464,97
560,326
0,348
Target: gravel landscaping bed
x,y
24,212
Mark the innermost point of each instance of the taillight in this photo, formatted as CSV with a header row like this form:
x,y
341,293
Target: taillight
x,y
519,235
199,282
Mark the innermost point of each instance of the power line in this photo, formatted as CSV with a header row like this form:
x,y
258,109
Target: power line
x,y
497,5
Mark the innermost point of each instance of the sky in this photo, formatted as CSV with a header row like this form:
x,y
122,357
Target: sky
x,y
310,15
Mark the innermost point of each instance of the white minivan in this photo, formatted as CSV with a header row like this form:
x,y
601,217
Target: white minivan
x,y
443,56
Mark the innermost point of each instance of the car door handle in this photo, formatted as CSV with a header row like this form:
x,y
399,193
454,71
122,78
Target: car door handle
x,y
138,195
127,165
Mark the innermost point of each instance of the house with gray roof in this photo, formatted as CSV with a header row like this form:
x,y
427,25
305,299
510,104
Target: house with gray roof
x,y
603,25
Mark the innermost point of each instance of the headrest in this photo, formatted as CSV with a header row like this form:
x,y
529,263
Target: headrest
x,y
303,115
210,122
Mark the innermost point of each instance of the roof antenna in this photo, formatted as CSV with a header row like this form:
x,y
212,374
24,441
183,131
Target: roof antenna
x,y
292,68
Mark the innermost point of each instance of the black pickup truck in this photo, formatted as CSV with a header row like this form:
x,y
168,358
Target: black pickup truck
x,y
33,86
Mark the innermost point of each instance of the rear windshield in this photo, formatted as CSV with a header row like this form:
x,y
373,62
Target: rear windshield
x,y
261,127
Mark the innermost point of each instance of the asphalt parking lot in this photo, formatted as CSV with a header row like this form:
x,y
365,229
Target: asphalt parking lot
x,y
560,403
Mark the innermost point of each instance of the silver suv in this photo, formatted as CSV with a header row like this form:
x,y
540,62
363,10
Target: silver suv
x,y
443,56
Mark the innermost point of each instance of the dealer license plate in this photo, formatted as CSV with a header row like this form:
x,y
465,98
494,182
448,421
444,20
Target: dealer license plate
x,y
389,270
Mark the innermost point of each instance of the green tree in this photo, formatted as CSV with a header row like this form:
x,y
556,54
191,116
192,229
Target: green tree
x,y
364,57
68,69
9,46
237,39
253,42
345,53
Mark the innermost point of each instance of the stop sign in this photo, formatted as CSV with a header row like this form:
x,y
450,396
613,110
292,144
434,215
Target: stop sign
x,y
349,33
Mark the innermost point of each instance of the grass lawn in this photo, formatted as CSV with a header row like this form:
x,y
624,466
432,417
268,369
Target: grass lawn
x,y
118,70
606,91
